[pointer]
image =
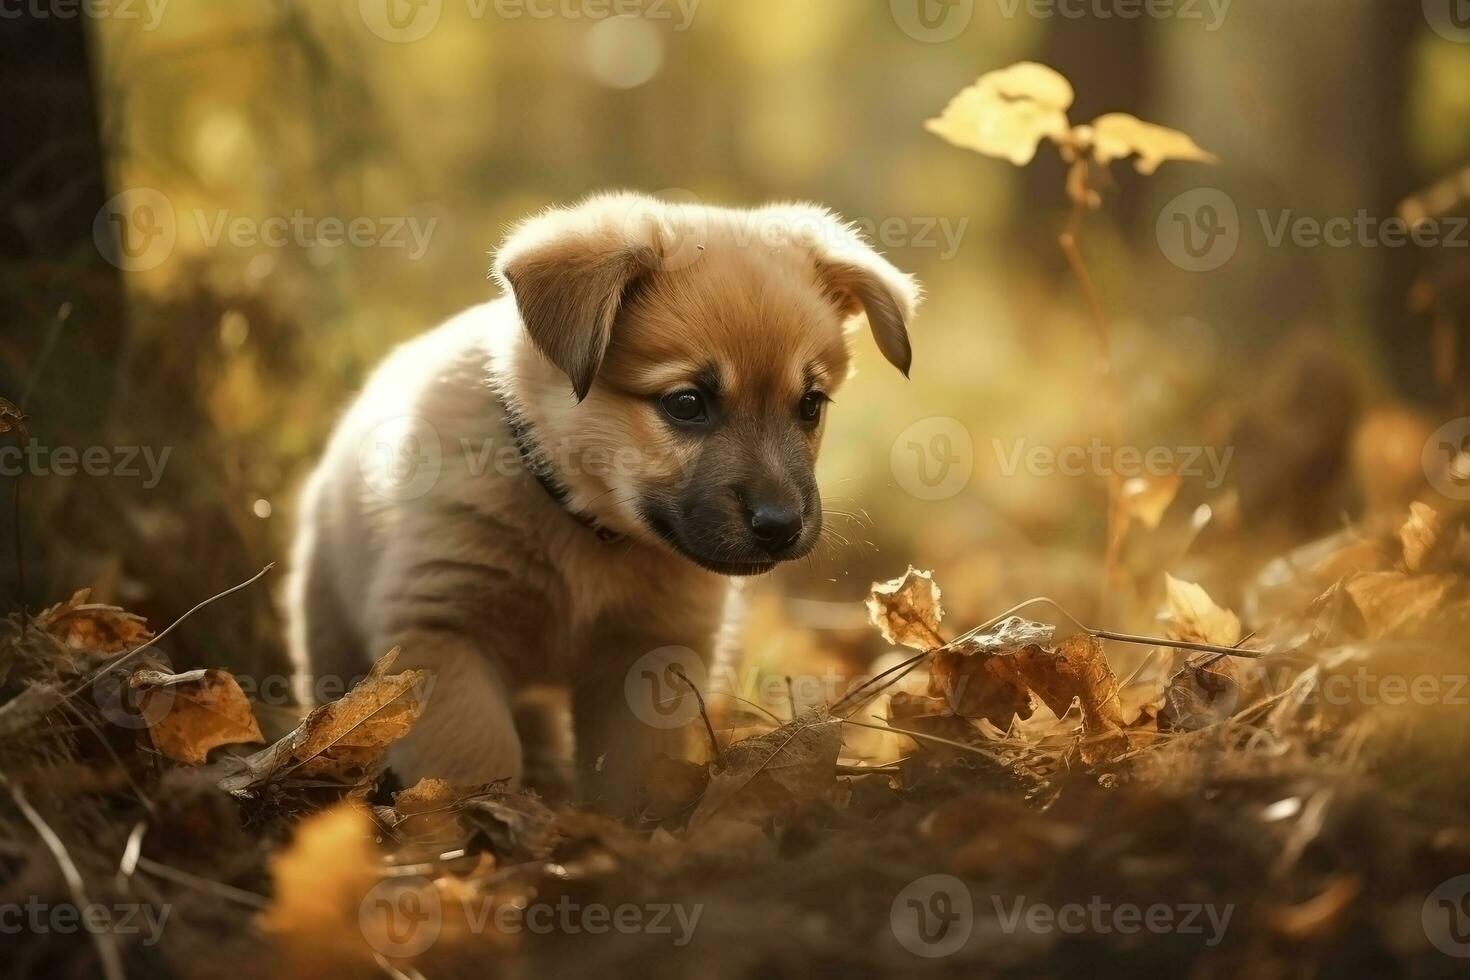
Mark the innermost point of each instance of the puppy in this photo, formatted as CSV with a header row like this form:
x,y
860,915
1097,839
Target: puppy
x,y
560,482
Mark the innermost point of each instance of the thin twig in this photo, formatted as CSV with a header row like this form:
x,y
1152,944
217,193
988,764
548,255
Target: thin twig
x,y
107,953
714,743
117,662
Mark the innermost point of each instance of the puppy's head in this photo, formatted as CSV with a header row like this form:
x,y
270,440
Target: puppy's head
x,y
696,352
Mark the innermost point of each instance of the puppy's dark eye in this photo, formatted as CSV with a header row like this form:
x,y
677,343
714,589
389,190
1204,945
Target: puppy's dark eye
x,y
810,408
685,406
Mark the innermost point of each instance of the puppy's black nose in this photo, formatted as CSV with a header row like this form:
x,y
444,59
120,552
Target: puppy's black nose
x,y
775,526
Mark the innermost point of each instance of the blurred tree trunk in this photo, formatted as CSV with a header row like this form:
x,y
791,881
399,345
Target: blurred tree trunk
x,y
1305,103
58,296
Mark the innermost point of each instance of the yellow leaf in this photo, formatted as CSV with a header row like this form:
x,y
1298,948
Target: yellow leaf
x,y
1192,615
1421,535
1118,135
1146,498
1008,112
1392,602
195,712
906,610
343,741
321,881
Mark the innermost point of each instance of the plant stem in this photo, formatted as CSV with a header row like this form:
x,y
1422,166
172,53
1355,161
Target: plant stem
x,y
1112,411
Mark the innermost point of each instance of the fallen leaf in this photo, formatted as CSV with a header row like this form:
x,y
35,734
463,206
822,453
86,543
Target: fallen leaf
x,y
673,786
928,716
1146,498
1007,113
1392,602
1007,636
980,686
1422,536
906,610
1192,616
93,627
1202,692
12,419
342,741
1078,668
204,709
774,773
1118,135
317,916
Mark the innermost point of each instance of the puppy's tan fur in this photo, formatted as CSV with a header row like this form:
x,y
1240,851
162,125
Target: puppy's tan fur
x,y
476,572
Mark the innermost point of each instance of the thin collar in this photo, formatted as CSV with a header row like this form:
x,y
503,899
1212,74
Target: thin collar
x,y
542,469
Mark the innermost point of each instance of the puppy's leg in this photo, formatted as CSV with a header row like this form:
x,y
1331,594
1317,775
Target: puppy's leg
x,y
470,622
467,731
629,705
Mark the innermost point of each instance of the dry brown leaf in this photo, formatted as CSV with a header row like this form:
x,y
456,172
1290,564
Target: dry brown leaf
x,y
1007,113
928,716
195,711
1202,692
343,741
1006,637
1145,499
1118,135
906,610
1392,602
673,785
1192,616
1422,536
93,627
980,686
775,772
12,419
1078,668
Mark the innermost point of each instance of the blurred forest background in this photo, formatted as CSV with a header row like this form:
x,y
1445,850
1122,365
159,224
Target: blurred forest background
x,y
236,355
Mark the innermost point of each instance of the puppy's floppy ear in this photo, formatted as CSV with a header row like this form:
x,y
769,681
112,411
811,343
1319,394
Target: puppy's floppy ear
x,y
860,280
569,270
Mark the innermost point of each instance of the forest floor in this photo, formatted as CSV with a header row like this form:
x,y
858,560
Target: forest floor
x,y
1296,806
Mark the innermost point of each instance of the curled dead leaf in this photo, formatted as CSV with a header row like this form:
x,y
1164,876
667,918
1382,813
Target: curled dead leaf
x,y
980,686
775,772
906,610
93,627
342,741
1192,616
194,712
1423,537
1007,636
1078,668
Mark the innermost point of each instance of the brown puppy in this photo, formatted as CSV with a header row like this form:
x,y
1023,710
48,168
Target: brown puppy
x,y
552,485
